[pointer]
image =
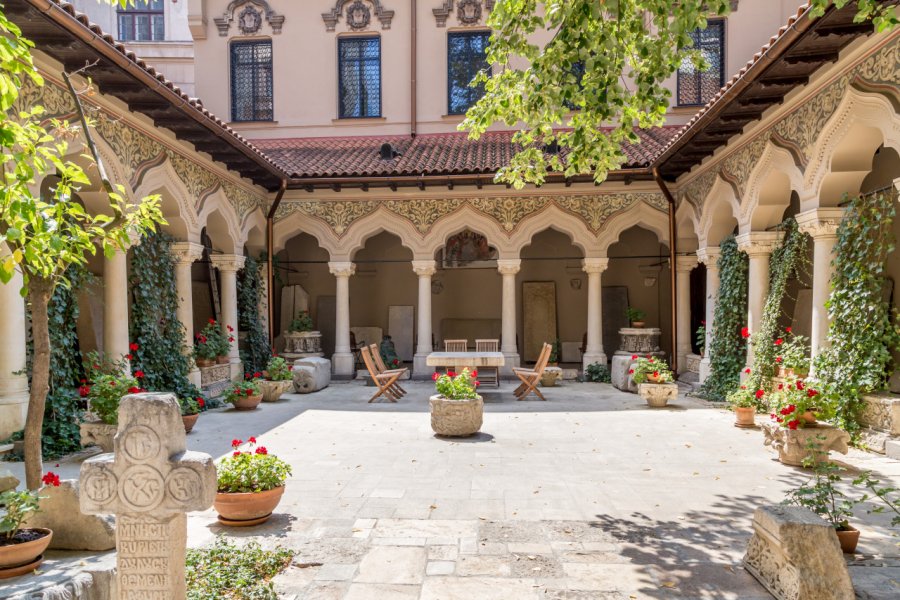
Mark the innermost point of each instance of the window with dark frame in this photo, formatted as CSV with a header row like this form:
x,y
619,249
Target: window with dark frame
x,y
466,56
697,87
143,22
251,81
359,77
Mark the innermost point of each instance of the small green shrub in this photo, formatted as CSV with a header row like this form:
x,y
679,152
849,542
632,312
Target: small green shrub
x,y
597,373
227,571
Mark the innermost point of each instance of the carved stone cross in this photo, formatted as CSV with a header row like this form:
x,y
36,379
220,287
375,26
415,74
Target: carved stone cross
x,y
149,483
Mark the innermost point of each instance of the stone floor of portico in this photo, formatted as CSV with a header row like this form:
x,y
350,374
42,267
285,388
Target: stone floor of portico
x,y
589,495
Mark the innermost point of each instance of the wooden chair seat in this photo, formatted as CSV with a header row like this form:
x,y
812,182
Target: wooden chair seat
x,y
382,368
531,377
385,382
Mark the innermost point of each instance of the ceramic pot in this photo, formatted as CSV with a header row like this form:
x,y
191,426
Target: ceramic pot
x,y
189,421
272,390
809,417
653,379
638,324
744,416
247,402
222,360
456,417
251,506
16,555
203,363
849,539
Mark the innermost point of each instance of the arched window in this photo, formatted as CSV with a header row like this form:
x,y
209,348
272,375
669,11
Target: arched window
x,y
143,22
251,81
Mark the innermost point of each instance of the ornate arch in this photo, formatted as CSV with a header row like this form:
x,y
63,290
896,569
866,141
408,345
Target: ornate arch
x,y
382,220
719,215
639,214
298,222
554,217
768,189
468,218
164,177
217,203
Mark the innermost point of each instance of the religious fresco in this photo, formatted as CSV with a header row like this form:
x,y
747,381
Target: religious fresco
x,y
467,249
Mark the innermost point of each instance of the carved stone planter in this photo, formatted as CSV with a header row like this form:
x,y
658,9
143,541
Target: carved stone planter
x,y
793,445
456,417
302,344
272,390
881,420
551,376
658,395
98,433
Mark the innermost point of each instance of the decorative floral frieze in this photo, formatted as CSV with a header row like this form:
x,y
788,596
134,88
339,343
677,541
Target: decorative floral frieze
x,y
509,212
338,215
698,189
424,213
596,210
358,15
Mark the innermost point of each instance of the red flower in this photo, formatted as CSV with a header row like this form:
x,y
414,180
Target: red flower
x,y
236,454
50,478
477,383
229,327
791,408
779,419
139,374
134,390
743,387
236,443
133,347
656,373
231,339
290,367
251,439
779,342
212,321
745,332
760,394
799,384
257,374
200,402
451,374
634,357
631,371
780,386
810,393
262,450
128,357
747,370
84,391
83,380
793,424
703,322
778,359
651,359
434,376
246,375
474,373
788,329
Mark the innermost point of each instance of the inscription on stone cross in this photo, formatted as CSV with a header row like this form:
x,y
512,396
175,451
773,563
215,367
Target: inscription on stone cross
x,y
149,483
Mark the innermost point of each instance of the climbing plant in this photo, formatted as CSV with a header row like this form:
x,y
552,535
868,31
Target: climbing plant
x,y
727,350
788,261
157,336
257,352
861,335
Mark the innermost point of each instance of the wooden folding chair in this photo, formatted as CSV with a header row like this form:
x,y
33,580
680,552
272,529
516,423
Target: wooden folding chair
x,y
456,345
531,377
384,381
493,373
382,369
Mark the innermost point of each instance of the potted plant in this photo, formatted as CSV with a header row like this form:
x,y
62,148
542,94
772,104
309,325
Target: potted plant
x,y
279,379
793,355
456,409
244,395
250,484
190,411
302,323
224,345
744,404
555,351
207,345
820,495
793,403
635,316
22,549
103,392
648,369
700,337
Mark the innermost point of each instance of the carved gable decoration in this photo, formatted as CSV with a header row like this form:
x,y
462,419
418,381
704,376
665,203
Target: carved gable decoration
x,y
357,14
249,15
468,12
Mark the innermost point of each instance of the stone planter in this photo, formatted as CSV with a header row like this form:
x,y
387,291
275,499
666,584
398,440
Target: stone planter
x,y
244,509
792,444
551,376
744,416
456,417
98,433
25,554
247,402
189,421
658,395
272,390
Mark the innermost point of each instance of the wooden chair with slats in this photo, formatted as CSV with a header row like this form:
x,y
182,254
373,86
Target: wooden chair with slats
x,y
456,345
382,368
489,375
383,381
531,377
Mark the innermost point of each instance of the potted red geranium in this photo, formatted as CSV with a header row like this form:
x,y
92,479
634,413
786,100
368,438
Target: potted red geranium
x,y
279,379
22,549
244,395
190,411
250,484
456,409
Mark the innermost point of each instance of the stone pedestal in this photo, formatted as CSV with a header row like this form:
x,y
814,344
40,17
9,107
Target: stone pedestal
x,y
793,445
311,374
880,418
302,344
150,482
796,555
658,395
633,340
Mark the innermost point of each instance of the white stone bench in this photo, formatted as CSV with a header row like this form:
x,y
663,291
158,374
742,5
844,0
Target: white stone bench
x,y
311,374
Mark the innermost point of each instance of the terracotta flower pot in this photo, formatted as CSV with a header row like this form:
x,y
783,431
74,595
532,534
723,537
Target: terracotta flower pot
x,y
189,421
247,402
744,416
203,363
235,508
848,538
222,360
638,324
15,555
653,379
809,418
272,390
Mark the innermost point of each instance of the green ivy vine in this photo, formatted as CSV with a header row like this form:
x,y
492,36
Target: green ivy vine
x,y
727,351
256,352
861,335
788,261
158,343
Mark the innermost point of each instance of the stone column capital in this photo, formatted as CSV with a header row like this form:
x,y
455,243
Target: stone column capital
x,y
228,263
709,256
342,269
594,265
759,244
186,252
509,266
424,268
685,264
821,223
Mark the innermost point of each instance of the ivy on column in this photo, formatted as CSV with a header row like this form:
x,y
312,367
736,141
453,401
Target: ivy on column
x,y
255,354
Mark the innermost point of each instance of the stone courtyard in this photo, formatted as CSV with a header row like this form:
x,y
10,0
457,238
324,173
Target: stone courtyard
x,y
589,495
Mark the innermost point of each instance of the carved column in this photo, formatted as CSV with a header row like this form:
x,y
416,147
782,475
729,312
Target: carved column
x,y
758,245
228,266
342,360
508,269
425,269
186,253
13,381
593,353
683,267
115,303
822,224
709,256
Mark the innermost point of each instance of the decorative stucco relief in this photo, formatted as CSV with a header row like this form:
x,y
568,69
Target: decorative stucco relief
x,y
338,215
596,210
358,14
249,20
424,213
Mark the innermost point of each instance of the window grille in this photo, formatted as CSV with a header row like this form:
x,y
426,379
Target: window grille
x,y
143,22
466,56
251,81
697,87
359,77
